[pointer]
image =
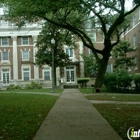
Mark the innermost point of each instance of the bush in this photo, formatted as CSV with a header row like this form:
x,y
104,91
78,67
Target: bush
x,y
110,81
13,87
136,79
33,85
83,81
123,80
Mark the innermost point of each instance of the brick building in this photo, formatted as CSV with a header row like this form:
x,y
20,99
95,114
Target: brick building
x,y
17,51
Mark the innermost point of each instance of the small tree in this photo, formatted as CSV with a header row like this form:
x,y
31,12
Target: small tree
x,y
44,54
122,60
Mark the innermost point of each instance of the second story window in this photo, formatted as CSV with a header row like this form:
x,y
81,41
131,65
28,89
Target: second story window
x,y
70,52
25,55
25,41
4,41
5,55
4,23
134,41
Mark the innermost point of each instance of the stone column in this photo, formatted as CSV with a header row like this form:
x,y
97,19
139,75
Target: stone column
x,y
36,69
81,59
15,60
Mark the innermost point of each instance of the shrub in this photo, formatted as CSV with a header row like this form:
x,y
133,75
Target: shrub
x,y
123,80
110,81
33,85
136,79
11,87
83,81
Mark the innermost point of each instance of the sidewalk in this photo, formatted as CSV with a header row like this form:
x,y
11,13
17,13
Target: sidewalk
x,y
74,118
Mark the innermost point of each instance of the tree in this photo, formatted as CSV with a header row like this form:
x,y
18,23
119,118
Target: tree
x,y
120,55
90,64
44,53
109,16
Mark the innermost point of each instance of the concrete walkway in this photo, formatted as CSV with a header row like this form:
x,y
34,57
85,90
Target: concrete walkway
x,y
74,118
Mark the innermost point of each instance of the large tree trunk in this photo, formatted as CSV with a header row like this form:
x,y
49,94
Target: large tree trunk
x,y
100,75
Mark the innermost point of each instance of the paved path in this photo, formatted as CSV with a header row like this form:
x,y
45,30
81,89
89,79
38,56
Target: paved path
x,y
74,118
113,102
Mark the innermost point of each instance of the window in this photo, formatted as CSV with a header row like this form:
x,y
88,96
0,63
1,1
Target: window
x,y
25,41
25,55
136,62
92,36
70,52
90,51
47,74
26,74
4,23
134,21
109,68
134,41
5,76
5,55
4,41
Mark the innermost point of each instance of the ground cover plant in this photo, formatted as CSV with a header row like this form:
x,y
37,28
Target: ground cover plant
x,y
22,114
114,97
120,116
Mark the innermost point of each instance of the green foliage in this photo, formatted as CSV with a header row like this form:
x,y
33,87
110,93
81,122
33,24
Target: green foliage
x,y
123,79
110,81
33,85
61,37
13,87
83,81
136,79
118,81
122,60
91,65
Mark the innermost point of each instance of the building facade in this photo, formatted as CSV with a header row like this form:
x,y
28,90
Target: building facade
x,y
18,48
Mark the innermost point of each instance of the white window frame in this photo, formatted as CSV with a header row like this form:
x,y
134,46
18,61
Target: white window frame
x,y
111,66
47,69
136,63
2,56
5,71
4,23
134,41
23,41
4,42
92,36
23,71
90,51
69,52
23,55
134,21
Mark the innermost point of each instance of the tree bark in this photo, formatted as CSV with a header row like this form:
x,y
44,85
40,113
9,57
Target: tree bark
x,y
100,75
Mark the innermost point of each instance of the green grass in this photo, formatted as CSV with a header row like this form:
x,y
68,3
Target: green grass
x,y
43,90
121,117
22,114
114,97
87,90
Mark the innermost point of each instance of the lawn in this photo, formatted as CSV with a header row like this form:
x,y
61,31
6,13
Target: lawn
x,y
22,114
43,90
114,97
121,117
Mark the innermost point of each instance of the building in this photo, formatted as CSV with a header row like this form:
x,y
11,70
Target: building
x,y
18,48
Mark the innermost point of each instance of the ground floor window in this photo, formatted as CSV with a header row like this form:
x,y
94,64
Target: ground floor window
x,y
26,74
5,76
47,73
